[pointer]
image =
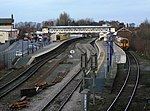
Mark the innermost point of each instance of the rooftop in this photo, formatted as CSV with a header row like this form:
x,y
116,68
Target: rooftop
x,y
6,21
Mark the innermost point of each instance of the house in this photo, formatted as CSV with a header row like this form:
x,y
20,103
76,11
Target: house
x,y
7,31
124,32
8,35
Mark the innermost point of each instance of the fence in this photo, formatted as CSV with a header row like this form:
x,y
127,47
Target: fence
x,y
8,53
4,46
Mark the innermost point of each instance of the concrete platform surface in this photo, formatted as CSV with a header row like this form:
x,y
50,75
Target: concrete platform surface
x,y
27,60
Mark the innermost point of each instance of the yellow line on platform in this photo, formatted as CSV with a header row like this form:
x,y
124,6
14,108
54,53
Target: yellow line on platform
x,y
102,54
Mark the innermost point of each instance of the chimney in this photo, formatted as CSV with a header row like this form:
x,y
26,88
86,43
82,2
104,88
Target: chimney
x,y
12,19
12,16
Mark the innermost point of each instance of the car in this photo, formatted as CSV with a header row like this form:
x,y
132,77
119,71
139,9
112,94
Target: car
x,y
18,53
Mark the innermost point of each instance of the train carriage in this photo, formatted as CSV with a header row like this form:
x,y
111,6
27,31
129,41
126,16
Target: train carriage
x,y
122,42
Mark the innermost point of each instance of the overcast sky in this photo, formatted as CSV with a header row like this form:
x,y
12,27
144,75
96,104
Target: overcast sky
x,y
128,11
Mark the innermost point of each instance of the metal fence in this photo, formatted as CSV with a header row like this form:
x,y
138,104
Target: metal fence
x,y
4,46
6,59
8,56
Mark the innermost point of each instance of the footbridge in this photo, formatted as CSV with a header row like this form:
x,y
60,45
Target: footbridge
x,y
79,29
100,31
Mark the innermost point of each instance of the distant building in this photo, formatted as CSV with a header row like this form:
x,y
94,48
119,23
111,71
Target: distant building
x,y
124,32
7,31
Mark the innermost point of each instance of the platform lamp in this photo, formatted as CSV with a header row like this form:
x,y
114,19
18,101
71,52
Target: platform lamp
x,y
94,69
22,47
112,30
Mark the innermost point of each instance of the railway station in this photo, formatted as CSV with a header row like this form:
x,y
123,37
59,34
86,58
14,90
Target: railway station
x,y
69,55
87,65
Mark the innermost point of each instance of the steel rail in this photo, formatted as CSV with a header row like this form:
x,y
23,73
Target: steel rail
x,y
61,107
125,82
49,102
59,92
136,84
23,76
14,83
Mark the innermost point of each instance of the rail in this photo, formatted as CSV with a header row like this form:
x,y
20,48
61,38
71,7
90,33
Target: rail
x,y
125,84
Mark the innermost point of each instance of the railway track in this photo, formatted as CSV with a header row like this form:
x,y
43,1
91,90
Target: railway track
x,y
26,74
14,83
63,95
126,94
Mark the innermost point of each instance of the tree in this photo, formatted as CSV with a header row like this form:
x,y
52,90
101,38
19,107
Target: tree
x,y
115,23
121,25
86,21
132,25
63,20
48,23
144,30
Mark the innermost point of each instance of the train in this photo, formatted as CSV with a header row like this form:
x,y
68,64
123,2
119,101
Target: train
x,y
122,42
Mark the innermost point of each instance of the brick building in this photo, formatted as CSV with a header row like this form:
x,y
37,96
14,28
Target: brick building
x,y
7,31
124,32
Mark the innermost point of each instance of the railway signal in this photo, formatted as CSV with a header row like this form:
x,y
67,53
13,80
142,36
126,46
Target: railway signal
x,y
84,67
94,69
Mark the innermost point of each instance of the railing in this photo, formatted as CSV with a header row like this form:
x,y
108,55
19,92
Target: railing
x,y
79,29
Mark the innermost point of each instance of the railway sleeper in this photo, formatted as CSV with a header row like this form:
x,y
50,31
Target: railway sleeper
x,y
19,104
41,85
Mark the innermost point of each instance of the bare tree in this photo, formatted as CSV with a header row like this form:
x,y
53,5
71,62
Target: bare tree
x,y
141,38
48,23
63,20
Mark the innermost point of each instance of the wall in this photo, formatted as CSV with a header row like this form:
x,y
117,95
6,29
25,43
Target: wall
x,y
6,27
125,34
3,36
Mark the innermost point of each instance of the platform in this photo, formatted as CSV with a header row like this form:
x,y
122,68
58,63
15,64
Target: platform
x,y
27,60
120,55
105,78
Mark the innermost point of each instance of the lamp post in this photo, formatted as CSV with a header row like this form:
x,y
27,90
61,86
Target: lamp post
x,y
112,30
111,48
22,47
107,56
28,47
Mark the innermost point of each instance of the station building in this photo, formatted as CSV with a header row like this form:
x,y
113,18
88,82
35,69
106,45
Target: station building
x,y
7,31
124,32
